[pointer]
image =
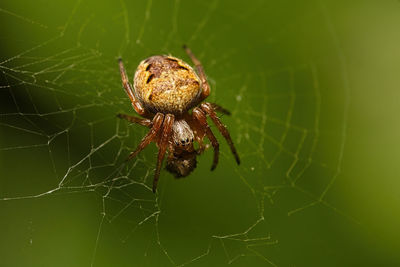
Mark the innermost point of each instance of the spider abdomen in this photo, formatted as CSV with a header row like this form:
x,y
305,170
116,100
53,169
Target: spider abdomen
x,y
166,84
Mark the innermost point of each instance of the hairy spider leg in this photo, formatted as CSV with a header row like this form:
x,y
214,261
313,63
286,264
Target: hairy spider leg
x,y
157,123
218,108
144,122
129,90
202,146
201,119
162,146
207,108
204,83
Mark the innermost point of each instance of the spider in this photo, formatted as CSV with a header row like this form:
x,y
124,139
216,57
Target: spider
x,y
165,90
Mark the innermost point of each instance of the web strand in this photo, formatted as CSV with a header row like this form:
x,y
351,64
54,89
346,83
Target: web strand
x,y
277,149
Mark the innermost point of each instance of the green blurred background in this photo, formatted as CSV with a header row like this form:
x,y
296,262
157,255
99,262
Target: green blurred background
x,y
313,88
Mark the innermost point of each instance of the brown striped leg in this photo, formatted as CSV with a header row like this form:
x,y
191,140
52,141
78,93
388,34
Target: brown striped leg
x,y
220,109
207,108
157,123
201,73
129,90
144,122
162,146
201,119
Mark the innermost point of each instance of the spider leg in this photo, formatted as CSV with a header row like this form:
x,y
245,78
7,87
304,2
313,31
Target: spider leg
x,y
218,108
170,151
200,117
157,123
207,108
204,83
162,146
144,122
202,146
129,90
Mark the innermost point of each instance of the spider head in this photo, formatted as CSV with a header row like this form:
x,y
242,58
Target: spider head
x,y
182,164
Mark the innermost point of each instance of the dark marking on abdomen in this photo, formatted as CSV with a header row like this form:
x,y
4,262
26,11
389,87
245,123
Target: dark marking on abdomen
x,y
150,78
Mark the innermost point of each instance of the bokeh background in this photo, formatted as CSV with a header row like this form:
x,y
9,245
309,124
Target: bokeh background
x,y
313,87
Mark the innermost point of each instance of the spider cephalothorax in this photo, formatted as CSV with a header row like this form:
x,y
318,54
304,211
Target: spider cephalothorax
x,y
166,89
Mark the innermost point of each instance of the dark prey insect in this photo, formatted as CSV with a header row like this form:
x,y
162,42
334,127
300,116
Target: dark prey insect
x,y
165,90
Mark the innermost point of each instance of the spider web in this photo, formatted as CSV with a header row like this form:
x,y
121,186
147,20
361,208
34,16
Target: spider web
x,y
59,101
